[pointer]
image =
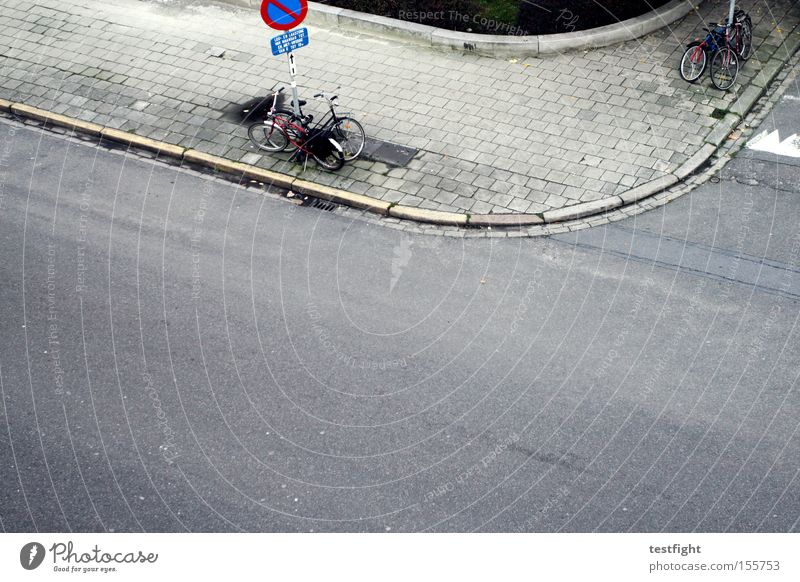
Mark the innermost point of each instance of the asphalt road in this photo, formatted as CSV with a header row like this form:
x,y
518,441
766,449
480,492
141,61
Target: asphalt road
x,y
180,353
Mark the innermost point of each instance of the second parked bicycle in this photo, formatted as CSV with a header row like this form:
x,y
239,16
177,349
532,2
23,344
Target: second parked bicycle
x,y
276,132
346,131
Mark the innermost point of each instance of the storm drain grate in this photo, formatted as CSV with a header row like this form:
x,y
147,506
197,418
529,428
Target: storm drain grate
x,y
326,205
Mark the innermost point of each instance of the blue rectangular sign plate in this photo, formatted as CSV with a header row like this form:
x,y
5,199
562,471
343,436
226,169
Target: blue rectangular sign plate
x,y
289,41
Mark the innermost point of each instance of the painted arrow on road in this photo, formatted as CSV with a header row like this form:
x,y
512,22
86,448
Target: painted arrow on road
x,y
771,142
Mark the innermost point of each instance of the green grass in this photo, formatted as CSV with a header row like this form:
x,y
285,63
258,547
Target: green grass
x,y
500,10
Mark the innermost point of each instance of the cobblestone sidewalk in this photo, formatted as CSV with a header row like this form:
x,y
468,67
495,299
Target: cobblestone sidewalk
x,y
495,135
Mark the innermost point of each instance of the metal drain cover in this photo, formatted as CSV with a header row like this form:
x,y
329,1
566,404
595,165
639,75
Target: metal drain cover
x,y
389,153
319,203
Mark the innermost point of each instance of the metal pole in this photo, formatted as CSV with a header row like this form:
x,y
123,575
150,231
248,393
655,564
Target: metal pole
x,y
292,73
731,11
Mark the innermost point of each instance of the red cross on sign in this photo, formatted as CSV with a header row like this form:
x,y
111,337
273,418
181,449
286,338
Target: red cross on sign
x,y
283,14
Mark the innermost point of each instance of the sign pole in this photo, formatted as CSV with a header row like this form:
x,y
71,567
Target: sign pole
x,y
731,10
292,74
286,15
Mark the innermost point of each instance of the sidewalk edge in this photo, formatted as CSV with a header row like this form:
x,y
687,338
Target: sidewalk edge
x,y
361,201
374,205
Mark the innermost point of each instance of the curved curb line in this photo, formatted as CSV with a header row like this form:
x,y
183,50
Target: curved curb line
x,y
361,201
499,45
717,136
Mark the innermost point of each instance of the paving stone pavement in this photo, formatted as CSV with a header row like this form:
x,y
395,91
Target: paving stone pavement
x,y
495,135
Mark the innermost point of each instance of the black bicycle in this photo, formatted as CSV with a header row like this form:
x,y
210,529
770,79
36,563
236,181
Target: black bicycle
x,y
742,34
346,131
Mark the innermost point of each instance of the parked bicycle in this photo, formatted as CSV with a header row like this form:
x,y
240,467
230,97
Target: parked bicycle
x,y
742,34
346,131
277,131
725,46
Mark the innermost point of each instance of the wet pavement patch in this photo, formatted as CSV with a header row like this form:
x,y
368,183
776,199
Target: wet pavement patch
x,y
249,111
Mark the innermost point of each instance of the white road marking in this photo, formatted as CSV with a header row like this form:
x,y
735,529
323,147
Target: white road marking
x,y
771,142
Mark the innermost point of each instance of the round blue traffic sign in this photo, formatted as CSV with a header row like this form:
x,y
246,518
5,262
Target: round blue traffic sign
x,y
283,14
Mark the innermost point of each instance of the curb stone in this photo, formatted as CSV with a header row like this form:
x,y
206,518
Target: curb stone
x,y
490,220
342,197
55,118
647,190
768,73
723,129
5,105
146,143
213,162
269,177
582,210
237,168
792,42
691,165
746,100
424,215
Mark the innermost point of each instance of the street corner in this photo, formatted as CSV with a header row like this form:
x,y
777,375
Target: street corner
x,y
277,267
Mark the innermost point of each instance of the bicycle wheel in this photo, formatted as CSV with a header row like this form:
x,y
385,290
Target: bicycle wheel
x,y
724,68
291,124
746,46
693,62
268,136
350,135
334,160
741,40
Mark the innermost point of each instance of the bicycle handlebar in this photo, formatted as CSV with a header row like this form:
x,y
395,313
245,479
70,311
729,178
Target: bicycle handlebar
x,y
327,96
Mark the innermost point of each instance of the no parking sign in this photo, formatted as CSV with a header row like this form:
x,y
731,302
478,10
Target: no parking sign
x,y
283,14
